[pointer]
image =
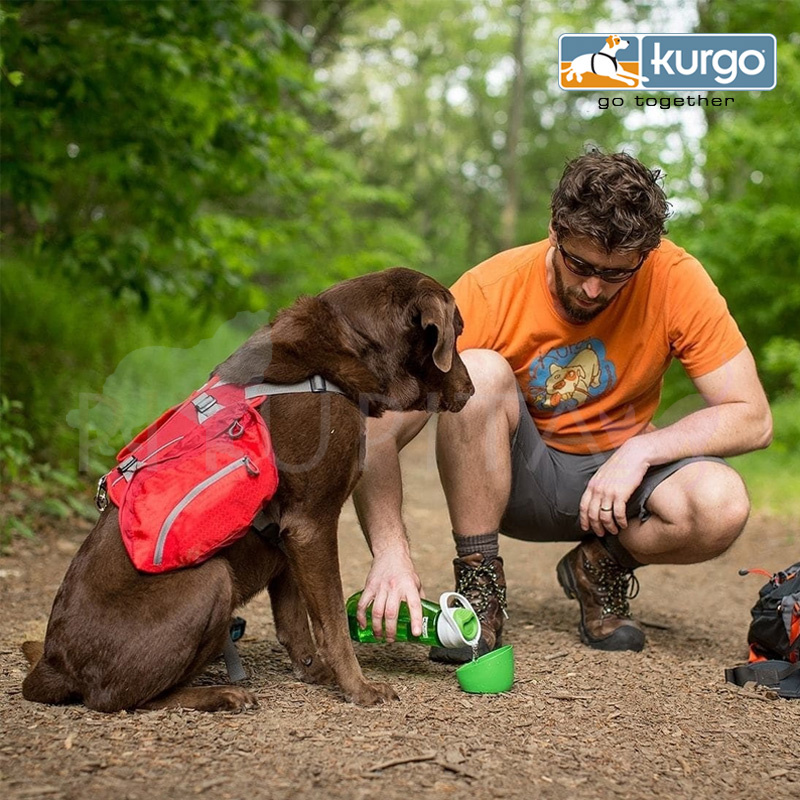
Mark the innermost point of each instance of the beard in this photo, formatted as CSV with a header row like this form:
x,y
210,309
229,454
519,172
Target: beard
x,y
567,297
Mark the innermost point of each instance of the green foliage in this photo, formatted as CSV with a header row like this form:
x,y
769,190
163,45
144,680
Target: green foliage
x,y
747,234
772,481
773,475
161,173
786,421
62,357
15,441
782,361
165,147
13,526
131,118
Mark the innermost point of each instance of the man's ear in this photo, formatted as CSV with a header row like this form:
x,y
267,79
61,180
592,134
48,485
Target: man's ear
x,y
437,312
551,235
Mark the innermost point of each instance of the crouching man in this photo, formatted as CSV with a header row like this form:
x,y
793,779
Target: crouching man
x,y
567,341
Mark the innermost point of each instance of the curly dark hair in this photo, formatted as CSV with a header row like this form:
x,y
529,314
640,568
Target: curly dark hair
x,y
612,199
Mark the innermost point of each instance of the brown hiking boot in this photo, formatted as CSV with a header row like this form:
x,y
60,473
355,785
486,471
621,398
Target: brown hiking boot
x,y
590,575
483,583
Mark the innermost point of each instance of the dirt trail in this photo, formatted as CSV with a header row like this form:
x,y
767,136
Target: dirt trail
x,y
577,723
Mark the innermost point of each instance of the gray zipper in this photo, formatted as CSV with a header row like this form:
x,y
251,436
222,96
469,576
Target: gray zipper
x,y
202,486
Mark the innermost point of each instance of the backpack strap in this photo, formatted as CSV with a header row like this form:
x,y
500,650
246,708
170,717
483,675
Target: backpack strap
x,y
236,672
206,405
772,674
315,384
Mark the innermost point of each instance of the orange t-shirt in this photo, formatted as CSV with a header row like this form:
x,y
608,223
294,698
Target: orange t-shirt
x,y
591,386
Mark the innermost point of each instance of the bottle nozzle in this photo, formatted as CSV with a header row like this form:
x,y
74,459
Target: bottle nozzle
x,y
457,626
467,623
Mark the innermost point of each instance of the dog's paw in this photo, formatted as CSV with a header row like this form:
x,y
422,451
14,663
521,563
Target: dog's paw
x,y
316,671
234,698
372,694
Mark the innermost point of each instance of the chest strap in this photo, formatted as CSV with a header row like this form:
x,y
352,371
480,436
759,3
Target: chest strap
x,y
315,384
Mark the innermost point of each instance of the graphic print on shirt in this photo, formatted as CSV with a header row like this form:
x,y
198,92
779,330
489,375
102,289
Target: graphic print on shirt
x,y
567,377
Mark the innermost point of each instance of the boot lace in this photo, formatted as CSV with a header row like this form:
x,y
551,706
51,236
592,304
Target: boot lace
x,y
615,585
479,585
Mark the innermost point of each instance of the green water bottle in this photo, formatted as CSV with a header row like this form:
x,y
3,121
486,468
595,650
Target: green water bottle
x,y
443,624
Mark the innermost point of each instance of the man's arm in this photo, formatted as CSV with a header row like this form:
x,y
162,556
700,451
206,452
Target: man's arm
x,y
378,499
737,420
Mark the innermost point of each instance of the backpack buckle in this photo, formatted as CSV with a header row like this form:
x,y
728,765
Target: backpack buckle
x,y
101,495
206,406
128,467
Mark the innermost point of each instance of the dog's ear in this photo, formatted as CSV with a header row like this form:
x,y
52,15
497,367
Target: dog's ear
x,y
435,311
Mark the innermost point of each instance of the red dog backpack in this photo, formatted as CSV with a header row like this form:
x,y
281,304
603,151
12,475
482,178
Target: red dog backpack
x,y
192,481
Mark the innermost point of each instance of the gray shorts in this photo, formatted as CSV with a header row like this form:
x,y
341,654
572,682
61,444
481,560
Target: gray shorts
x,y
547,486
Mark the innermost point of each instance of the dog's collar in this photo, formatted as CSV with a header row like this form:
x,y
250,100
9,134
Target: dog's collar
x,y
594,55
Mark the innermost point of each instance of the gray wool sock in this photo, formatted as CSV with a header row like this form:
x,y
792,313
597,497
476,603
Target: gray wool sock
x,y
485,543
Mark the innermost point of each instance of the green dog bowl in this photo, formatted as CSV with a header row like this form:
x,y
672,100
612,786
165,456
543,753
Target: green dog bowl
x,y
489,674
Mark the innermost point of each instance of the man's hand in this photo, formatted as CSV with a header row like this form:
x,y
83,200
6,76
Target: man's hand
x,y
602,507
391,580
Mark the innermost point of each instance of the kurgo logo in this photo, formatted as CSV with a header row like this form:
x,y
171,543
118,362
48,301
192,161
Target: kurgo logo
x,y
663,61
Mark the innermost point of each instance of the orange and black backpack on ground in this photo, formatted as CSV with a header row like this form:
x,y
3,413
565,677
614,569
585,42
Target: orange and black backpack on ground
x,y
774,635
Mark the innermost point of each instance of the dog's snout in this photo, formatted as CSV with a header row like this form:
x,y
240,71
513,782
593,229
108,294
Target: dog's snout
x,y
458,401
460,393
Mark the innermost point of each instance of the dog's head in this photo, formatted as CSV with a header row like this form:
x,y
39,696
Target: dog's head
x,y
387,339
403,327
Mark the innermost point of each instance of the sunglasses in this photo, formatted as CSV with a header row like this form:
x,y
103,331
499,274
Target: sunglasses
x,y
585,270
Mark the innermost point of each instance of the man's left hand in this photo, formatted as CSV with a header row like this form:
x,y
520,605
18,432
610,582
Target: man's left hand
x,y
603,504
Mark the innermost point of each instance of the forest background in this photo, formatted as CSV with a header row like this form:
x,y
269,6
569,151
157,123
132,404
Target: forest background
x,y
175,172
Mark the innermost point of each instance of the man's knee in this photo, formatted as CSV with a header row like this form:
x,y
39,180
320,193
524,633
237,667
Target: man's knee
x,y
718,508
704,507
494,381
488,421
489,370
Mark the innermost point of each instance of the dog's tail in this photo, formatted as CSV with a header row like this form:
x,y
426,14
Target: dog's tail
x,y
33,652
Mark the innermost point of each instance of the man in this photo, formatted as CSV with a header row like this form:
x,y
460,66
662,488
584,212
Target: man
x,y
567,341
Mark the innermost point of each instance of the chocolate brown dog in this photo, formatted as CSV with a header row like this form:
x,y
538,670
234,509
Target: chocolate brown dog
x,y
121,639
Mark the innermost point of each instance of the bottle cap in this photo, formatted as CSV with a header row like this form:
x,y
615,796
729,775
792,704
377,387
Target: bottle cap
x,y
467,623
457,625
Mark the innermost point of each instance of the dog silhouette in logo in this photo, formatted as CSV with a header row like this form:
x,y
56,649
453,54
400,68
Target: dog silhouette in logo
x,y
604,64
573,381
